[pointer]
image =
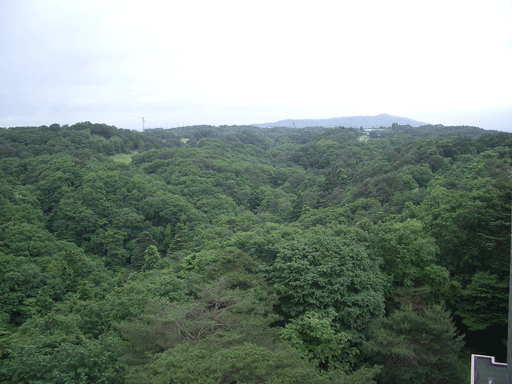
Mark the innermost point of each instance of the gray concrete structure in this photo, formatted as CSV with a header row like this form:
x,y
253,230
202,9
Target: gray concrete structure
x,y
485,370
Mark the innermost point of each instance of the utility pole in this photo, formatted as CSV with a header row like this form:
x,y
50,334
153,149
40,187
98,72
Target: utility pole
x,y
143,124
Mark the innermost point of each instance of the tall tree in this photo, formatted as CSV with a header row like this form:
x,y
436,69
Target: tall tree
x,y
418,347
319,272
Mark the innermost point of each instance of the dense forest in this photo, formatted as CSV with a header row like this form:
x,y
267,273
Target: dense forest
x,y
249,255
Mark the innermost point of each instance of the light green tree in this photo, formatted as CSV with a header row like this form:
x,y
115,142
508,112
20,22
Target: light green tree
x,y
151,258
321,272
407,252
314,335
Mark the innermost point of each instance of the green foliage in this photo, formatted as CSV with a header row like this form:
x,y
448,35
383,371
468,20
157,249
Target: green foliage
x,y
196,262
211,313
151,258
142,243
247,363
124,158
76,361
464,223
417,347
51,349
220,313
70,267
484,302
317,154
313,334
129,300
318,272
20,281
408,253
296,207
91,246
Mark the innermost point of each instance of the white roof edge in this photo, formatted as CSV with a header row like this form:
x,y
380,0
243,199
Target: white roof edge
x,y
493,362
493,359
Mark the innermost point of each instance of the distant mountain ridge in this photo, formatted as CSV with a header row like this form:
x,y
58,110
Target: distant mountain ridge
x,y
382,120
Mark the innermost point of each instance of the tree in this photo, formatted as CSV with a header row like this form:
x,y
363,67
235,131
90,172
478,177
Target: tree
x,y
165,324
417,347
296,207
20,281
246,363
460,221
319,272
71,267
407,252
313,334
180,241
151,257
220,314
129,300
51,349
77,361
143,242
484,302
111,245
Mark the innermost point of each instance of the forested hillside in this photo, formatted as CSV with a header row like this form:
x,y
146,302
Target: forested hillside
x,y
251,255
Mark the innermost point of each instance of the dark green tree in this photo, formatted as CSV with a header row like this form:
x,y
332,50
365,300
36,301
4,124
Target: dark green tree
x,y
141,244
296,207
484,302
77,361
418,347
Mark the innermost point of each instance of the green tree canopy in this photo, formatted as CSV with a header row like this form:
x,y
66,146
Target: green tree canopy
x,y
418,347
319,271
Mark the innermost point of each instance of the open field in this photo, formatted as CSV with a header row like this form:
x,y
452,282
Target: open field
x,y
125,158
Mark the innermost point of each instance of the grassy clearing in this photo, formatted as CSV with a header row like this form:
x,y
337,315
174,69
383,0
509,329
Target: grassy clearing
x,y
125,158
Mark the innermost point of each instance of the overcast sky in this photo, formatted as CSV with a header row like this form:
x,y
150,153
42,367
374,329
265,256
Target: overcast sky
x,y
217,62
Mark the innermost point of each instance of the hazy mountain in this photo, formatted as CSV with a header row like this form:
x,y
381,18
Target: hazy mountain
x,y
382,120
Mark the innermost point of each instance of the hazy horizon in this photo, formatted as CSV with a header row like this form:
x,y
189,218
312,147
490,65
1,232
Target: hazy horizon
x,y
240,63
